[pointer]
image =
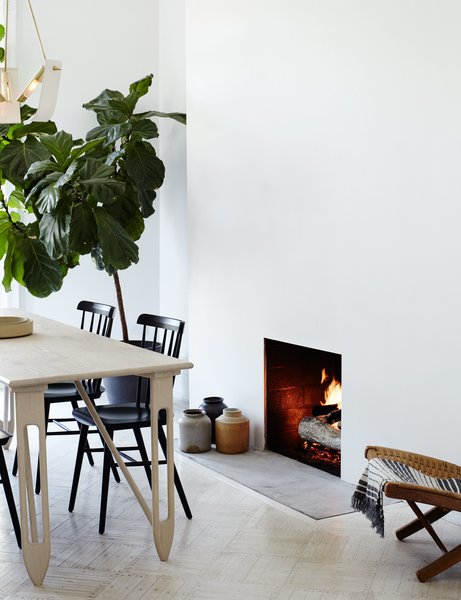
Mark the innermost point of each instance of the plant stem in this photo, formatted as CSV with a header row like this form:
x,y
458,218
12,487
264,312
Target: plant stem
x,y
121,306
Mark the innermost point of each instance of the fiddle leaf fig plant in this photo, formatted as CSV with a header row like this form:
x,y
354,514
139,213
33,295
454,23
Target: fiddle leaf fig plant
x,y
74,197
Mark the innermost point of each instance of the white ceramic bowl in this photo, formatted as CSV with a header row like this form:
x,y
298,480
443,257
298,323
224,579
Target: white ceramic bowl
x,y
15,326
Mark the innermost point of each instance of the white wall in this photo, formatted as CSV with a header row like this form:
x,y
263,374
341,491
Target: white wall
x,y
173,240
324,202
103,44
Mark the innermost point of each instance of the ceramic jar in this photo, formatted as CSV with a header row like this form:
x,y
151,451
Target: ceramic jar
x,y
194,431
232,432
213,406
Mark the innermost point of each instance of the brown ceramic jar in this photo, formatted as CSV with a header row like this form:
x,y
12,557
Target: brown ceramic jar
x,y
232,432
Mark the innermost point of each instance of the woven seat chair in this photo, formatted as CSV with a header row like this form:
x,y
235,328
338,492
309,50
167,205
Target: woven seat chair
x,y
442,502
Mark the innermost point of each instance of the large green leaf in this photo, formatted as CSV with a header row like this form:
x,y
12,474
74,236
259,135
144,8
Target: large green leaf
x,y
118,250
122,107
126,210
143,166
105,113
99,180
101,102
5,226
137,89
55,228
27,112
83,230
111,133
67,176
141,87
85,148
42,167
146,201
32,266
4,129
113,157
36,127
49,195
17,157
96,255
16,199
145,128
176,116
7,272
59,144
49,179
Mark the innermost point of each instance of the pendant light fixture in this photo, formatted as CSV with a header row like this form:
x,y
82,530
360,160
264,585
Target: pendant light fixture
x,y
47,76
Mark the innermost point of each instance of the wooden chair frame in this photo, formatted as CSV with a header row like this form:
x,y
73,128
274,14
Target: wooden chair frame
x,y
441,501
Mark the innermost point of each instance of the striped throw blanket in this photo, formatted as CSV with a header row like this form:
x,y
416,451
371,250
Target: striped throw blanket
x,y
368,496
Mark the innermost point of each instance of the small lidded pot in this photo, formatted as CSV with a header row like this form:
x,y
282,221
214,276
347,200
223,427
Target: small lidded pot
x,y
194,431
232,432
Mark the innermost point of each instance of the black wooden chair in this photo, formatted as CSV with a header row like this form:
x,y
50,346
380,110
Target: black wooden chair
x,y
4,439
164,335
96,318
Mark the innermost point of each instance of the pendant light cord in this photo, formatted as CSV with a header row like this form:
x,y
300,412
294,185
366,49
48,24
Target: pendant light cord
x,y
36,29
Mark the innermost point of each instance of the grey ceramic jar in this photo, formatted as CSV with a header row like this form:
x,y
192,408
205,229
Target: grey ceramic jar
x,y
194,431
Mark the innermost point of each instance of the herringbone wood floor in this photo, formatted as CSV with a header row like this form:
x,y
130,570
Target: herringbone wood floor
x,y
239,545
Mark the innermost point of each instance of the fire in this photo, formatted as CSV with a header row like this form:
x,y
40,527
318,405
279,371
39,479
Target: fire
x,y
333,393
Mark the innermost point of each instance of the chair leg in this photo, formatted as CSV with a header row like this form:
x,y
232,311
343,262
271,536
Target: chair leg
x,y
108,462
14,471
426,524
143,452
78,465
177,480
115,472
431,516
10,498
443,563
88,453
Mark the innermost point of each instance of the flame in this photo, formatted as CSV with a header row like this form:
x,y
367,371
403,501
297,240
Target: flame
x,y
333,393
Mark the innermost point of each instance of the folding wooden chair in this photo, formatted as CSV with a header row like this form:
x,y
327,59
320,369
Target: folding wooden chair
x,y
442,502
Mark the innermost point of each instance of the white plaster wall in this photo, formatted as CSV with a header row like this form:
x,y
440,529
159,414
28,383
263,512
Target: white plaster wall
x,y
324,154
103,44
173,237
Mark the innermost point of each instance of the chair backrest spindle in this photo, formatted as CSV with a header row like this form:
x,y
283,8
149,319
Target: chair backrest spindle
x,y
97,318
166,339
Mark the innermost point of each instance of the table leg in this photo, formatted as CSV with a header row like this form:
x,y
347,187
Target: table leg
x,y
162,398
7,422
35,545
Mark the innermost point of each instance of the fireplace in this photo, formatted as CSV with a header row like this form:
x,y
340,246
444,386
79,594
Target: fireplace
x,y
303,404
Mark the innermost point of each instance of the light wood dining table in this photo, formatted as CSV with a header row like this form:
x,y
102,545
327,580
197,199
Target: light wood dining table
x,y
53,353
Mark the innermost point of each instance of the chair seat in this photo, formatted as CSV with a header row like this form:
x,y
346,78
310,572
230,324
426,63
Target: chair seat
x,y
66,390
115,415
57,391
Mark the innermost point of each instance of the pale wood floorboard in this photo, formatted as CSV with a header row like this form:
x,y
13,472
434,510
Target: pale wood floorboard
x,y
238,546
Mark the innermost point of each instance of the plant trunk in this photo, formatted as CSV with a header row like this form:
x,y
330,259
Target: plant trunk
x,y
121,307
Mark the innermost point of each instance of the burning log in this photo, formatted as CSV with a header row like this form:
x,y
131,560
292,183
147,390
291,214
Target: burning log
x,y
334,417
315,429
323,409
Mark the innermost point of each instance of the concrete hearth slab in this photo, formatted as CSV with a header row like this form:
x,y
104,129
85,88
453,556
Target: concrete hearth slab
x,y
293,484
